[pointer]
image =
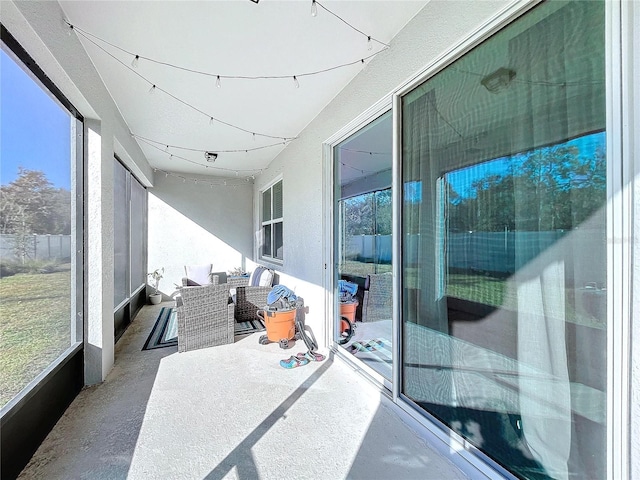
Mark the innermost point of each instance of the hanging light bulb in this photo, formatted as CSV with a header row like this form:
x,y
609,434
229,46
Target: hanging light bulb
x,y
369,43
296,82
218,84
134,62
70,29
254,136
152,89
166,148
211,121
314,8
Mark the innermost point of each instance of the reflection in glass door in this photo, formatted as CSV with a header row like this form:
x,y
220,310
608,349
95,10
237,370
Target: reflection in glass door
x,y
363,244
504,263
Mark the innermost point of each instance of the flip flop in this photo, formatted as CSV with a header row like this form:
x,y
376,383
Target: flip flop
x,y
311,356
293,362
370,346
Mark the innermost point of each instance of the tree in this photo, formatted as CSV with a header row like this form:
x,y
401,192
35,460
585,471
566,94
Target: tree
x,y
550,188
31,205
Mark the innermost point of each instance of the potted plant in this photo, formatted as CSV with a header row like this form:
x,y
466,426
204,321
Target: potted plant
x,y
155,276
238,272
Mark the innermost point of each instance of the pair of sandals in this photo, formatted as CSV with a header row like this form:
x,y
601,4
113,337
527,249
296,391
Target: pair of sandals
x,y
301,359
370,346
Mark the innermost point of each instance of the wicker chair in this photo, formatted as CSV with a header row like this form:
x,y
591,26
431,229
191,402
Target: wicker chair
x,y
378,297
251,293
249,300
205,317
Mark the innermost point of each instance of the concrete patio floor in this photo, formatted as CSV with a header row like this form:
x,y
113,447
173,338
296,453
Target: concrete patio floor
x,y
231,412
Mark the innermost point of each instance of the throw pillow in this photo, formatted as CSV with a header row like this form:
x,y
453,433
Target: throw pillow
x,y
261,277
199,274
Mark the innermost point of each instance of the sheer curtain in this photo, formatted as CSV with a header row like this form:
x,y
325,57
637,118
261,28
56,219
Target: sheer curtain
x,y
427,346
558,101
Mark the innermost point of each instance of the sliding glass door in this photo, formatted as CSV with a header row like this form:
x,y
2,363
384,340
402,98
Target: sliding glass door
x,y
504,253
363,221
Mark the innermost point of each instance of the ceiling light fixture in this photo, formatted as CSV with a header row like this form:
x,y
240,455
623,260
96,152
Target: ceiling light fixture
x,y
210,156
498,80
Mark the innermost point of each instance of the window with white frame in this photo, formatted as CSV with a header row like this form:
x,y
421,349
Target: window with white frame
x,y
272,223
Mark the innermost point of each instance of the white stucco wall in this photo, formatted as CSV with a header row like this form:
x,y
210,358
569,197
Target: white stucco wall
x,y
39,28
195,224
434,30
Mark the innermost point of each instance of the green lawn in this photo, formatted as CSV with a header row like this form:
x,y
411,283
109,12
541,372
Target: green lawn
x,y
362,269
35,327
477,288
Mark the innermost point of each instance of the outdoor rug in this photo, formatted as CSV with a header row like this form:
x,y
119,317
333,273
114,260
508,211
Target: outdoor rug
x,y
250,326
165,331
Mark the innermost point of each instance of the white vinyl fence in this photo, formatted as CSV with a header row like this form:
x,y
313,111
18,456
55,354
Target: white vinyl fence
x,y
39,247
493,251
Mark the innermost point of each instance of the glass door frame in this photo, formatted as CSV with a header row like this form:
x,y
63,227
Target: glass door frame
x,y
331,251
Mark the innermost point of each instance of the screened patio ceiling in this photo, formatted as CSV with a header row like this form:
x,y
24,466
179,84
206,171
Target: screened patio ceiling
x,y
183,96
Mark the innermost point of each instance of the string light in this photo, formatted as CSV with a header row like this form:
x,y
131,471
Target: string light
x,y
296,82
223,169
157,144
314,8
369,37
369,44
134,62
154,87
95,39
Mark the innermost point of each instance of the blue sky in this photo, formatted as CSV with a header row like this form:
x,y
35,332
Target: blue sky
x,y
34,129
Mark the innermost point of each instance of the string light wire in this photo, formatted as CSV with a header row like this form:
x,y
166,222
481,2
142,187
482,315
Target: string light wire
x,y
367,36
174,156
155,87
93,38
200,150
223,182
